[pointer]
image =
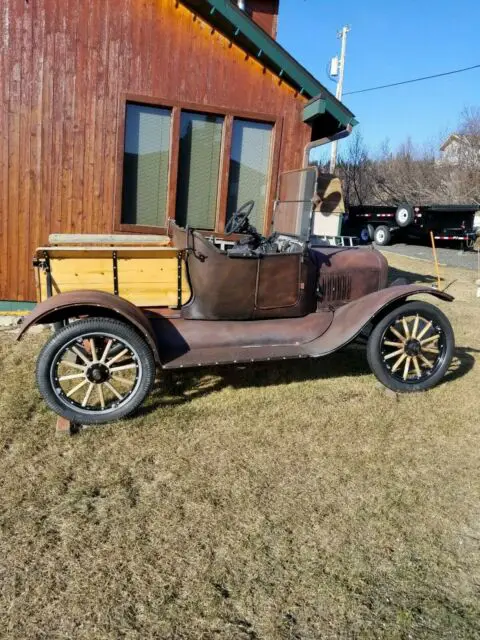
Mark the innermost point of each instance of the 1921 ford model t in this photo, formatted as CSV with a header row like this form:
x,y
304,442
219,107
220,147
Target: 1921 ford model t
x,y
264,299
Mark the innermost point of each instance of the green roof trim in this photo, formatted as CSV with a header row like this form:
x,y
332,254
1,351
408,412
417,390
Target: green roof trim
x,y
313,109
320,105
236,24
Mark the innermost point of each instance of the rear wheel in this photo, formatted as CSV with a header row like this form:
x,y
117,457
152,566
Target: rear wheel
x,y
383,235
95,370
411,348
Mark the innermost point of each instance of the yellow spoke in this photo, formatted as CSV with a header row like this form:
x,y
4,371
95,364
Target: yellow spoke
x,y
417,367
430,339
406,369
77,352
88,394
399,362
395,353
77,388
113,390
100,395
397,333
424,330
93,349
106,350
75,376
425,361
117,357
405,328
430,350
389,343
415,326
124,367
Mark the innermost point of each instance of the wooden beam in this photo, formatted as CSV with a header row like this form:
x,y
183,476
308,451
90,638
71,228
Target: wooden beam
x,y
173,164
222,197
109,239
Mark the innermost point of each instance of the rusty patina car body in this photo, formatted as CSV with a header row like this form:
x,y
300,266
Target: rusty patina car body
x,y
285,297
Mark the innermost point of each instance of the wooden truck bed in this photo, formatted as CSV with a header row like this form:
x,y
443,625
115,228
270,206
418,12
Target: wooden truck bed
x,y
147,276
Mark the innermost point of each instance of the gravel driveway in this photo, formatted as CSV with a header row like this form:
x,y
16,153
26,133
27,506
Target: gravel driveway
x,y
449,257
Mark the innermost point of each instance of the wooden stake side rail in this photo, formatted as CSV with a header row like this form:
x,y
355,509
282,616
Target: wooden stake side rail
x,y
146,276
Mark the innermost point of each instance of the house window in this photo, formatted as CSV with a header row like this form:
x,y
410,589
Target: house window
x,y
249,168
145,165
198,169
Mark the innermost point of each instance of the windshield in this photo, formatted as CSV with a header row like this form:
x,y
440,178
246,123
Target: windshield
x,y
293,207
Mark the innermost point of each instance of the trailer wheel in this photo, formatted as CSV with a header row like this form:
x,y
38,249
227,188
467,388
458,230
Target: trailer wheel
x,y
383,236
95,370
365,235
404,215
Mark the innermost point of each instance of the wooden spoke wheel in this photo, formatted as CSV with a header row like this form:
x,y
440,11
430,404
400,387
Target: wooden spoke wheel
x,y
411,348
95,371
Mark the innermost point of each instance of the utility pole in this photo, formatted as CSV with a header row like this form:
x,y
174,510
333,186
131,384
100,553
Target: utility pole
x,y
341,68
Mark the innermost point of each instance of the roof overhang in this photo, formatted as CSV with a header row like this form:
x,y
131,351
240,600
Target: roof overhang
x,y
235,24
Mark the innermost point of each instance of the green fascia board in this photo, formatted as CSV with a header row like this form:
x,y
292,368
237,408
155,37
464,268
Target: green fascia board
x,y
314,109
320,105
237,25
15,305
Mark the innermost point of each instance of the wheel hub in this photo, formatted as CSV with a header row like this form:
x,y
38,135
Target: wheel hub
x,y
413,347
97,373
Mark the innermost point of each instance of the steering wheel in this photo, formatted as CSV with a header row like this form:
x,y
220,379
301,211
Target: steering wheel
x,y
239,220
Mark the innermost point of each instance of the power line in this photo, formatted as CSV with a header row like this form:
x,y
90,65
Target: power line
x,y
396,84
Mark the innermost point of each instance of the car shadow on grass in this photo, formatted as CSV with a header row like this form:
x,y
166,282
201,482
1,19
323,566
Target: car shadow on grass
x,y
179,388
462,363
410,276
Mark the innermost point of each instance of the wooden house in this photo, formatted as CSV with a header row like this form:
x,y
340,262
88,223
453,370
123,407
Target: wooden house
x,y
117,115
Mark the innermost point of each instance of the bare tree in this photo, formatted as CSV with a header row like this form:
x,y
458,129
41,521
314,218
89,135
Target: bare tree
x,y
414,175
353,169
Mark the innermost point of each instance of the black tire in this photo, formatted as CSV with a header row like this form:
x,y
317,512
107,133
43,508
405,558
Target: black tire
x,y
404,215
383,236
140,363
371,231
379,354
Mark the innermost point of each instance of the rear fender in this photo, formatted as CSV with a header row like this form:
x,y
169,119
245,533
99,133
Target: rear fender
x,y
90,303
349,320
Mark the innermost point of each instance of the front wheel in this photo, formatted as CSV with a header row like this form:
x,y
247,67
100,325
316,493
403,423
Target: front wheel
x,y
95,370
411,348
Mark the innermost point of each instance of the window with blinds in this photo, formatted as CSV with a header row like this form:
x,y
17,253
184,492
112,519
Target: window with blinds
x,y
198,169
249,168
145,165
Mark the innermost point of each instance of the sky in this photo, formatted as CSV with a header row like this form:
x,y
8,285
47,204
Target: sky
x,y
390,41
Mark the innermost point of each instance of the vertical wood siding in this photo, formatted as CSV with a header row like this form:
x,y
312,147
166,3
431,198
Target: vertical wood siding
x,y
65,69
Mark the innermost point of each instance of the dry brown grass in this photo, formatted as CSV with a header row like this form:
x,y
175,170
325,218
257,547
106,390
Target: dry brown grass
x,y
290,502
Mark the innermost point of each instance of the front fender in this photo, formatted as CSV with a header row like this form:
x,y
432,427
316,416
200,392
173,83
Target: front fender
x,y
89,303
349,320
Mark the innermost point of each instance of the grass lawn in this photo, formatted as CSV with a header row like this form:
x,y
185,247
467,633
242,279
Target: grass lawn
x,y
292,501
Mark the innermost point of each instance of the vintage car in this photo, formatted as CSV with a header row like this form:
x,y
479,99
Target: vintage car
x,y
191,304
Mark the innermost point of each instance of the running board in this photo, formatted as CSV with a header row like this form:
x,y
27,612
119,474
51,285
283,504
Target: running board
x,y
237,355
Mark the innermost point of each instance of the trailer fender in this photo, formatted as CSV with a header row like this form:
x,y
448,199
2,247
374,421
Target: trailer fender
x,y
90,303
352,318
